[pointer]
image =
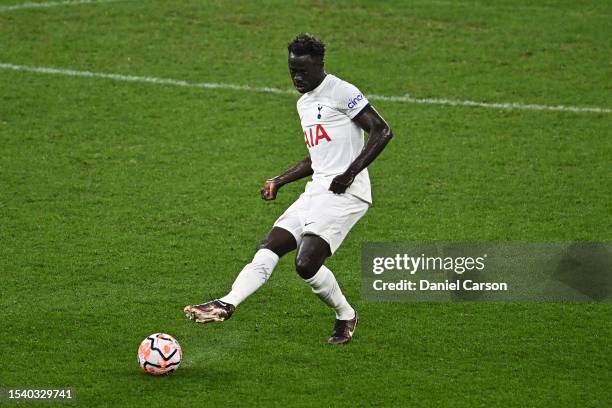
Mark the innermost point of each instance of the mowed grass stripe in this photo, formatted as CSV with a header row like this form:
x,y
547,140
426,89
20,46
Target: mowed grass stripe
x,y
263,89
49,4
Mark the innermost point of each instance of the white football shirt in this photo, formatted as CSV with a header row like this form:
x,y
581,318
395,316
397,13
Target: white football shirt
x,y
332,138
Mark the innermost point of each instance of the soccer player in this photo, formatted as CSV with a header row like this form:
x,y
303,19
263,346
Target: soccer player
x,y
334,115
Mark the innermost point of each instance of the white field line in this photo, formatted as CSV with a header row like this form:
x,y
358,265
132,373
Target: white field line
x,y
48,4
489,105
248,88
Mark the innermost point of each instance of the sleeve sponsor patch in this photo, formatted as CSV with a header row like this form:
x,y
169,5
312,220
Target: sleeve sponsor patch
x,y
352,103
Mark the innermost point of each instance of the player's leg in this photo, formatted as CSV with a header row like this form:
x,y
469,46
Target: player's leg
x,y
279,240
283,238
312,253
254,275
329,219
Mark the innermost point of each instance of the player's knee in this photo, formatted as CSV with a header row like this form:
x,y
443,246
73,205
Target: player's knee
x,y
263,244
279,241
278,248
305,266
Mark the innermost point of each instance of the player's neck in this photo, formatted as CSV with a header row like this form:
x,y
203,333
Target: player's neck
x,y
320,80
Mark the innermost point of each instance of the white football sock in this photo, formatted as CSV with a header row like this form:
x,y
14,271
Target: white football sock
x,y
252,277
326,287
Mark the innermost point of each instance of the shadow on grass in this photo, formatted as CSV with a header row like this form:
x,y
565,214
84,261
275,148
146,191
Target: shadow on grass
x,y
213,377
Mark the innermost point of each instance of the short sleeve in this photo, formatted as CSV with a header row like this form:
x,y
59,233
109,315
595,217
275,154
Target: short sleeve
x,y
349,99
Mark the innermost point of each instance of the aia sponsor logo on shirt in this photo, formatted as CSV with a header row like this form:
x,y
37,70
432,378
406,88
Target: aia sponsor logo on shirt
x,y
355,101
314,135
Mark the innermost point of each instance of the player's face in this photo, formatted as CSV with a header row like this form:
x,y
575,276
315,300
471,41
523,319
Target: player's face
x,y
306,72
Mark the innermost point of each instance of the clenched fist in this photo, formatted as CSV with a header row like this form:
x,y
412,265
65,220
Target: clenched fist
x,y
341,182
269,190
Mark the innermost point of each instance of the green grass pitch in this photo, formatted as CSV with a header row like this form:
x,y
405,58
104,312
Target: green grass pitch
x,y
121,202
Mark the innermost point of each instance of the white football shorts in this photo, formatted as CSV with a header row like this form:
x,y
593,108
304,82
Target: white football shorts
x,y
323,213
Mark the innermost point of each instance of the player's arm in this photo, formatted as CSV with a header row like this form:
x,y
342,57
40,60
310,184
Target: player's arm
x,y
379,135
300,170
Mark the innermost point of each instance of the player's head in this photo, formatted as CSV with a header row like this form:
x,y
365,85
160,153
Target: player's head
x,y
306,54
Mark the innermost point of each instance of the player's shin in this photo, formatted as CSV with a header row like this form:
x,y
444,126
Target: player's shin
x,y
326,287
252,277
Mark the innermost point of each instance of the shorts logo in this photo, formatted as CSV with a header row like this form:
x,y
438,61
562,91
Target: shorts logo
x,y
353,102
312,138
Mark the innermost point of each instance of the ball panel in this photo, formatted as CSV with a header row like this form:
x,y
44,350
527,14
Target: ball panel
x,y
159,354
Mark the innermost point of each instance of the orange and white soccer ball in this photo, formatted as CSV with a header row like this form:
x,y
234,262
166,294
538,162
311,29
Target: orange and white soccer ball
x,y
159,354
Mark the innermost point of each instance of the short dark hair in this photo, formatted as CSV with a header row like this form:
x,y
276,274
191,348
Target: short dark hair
x,y
307,44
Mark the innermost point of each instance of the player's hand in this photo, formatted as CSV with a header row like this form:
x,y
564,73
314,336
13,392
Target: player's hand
x,y
269,190
341,182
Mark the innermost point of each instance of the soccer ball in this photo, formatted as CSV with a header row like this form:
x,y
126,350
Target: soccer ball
x,y
159,354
